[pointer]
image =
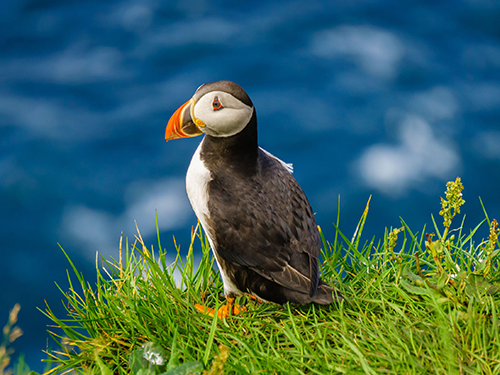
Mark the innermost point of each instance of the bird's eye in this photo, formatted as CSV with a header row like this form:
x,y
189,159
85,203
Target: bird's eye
x,y
216,104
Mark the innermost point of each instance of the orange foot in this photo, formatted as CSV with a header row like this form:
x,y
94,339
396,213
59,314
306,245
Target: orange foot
x,y
256,299
224,311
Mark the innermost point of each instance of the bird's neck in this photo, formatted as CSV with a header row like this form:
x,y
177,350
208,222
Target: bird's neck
x,y
238,152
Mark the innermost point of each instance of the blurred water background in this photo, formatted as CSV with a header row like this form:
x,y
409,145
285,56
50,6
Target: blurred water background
x,y
383,98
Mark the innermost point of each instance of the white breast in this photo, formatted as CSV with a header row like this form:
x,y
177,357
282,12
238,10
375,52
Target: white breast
x,y
197,179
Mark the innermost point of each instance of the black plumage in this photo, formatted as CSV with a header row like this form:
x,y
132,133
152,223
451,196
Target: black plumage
x,y
261,223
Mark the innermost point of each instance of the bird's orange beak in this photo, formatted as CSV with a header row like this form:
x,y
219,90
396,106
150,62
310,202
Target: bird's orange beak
x,y
181,124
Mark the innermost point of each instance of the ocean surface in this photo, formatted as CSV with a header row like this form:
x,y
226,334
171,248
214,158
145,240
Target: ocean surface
x,y
384,98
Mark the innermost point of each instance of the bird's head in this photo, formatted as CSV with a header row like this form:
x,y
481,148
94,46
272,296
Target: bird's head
x,y
219,109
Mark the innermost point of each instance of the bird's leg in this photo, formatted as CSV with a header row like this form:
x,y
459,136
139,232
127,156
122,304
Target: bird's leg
x,y
224,311
227,309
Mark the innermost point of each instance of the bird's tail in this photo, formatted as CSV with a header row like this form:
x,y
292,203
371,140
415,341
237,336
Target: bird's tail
x,y
326,294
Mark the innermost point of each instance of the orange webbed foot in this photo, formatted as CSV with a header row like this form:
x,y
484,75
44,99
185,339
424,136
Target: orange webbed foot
x,y
256,299
224,311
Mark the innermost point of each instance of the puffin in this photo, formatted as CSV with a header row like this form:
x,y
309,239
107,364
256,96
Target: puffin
x,y
259,223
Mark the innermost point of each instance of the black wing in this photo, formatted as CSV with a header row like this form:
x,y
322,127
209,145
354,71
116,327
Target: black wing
x,y
265,222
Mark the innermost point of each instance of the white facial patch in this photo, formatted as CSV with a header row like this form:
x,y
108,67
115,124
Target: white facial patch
x,y
223,122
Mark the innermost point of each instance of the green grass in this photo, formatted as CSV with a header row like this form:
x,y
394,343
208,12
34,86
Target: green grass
x,y
414,304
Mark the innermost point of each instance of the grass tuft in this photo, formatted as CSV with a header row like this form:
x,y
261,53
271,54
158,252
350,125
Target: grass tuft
x,y
11,332
415,303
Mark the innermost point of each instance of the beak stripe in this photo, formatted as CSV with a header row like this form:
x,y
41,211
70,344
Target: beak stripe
x,y
181,124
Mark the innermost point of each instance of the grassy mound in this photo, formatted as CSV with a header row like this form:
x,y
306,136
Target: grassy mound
x,y
414,304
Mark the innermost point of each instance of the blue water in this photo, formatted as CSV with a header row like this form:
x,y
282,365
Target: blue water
x,y
383,98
